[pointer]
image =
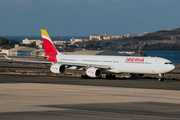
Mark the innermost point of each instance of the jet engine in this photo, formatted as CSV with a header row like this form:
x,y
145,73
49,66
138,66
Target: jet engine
x,y
94,72
58,68
136,75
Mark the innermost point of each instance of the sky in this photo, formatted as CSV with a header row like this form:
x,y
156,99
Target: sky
x,y
85,17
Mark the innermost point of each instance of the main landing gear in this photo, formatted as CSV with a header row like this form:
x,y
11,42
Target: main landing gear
x,y
85,77
161,77
110,76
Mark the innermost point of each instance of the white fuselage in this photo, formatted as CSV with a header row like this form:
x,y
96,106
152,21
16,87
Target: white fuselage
x,y
122,64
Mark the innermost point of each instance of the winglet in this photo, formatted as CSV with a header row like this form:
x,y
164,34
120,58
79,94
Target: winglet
x,y
7,57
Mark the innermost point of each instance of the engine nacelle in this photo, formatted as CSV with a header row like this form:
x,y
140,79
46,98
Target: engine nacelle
x,y
94,72
58,68
136,75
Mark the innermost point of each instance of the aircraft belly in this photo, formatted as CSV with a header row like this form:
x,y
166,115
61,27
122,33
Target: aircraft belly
x,y
139,68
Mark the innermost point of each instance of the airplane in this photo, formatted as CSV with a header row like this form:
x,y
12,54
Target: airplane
x,y
96,65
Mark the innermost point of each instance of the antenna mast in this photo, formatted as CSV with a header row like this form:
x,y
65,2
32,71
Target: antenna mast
x,y
61,34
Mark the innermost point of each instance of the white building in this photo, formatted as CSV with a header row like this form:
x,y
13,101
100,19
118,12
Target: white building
x,y
27,41
72,40
96,37
37,52
59,42
8,52
99,37
39,43
106,37
116,37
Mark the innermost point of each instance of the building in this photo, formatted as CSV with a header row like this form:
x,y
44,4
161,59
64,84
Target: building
x,y
39,43
96,37
8,52
127,35
20,50
106,37
116,37
73,41
37,52
99,37
59,42
27,41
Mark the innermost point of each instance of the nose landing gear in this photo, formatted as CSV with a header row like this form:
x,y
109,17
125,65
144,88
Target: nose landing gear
x,y
161,77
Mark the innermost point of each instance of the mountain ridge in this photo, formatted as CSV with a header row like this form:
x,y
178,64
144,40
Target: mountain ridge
x,y
158,40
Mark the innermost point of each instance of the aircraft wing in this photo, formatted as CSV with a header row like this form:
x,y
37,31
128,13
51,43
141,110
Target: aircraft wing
x,y
80,65
68,64
30,61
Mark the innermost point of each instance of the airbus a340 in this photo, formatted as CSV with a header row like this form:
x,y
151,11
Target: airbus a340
x,y
96,65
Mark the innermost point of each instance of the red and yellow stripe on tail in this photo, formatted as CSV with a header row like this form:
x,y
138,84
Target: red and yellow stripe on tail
x,y
49,47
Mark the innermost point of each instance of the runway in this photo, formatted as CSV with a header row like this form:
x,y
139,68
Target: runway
x,y
38,101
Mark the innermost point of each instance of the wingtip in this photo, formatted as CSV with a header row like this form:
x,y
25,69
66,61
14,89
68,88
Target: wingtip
x,y
7,57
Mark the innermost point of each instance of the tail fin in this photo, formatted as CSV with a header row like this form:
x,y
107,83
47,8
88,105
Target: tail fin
x,y
49,47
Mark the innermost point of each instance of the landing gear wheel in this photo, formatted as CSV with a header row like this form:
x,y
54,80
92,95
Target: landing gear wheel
x,y
107,76
114,77
110,76
161,77
100,77
86,77
82,76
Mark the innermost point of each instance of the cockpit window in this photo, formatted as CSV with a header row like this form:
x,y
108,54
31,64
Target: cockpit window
x,y
167,63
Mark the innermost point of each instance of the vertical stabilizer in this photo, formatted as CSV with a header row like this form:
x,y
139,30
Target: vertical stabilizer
x,y
49,47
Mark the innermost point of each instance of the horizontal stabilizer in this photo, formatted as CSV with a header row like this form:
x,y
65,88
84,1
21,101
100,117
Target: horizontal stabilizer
x,y
35,55
29,61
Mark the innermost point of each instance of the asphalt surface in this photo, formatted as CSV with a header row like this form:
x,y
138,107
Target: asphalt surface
x,y
104,111
33,97
119,82
36,101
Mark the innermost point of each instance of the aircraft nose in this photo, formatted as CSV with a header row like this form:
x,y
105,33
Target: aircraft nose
x,y
170,68
173,67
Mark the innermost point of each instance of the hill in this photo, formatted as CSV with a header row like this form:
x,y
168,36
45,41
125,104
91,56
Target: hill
x,y
159,40
7,44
